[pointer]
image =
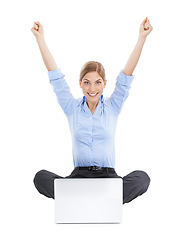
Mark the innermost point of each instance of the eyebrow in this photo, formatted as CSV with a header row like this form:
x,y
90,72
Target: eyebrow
x,y
89,80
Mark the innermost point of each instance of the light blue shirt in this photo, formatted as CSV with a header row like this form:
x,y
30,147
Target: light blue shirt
x,y
93,136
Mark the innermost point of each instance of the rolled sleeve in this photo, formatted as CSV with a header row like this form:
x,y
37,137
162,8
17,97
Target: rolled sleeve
x,y
125,79
62,90
121,91
55,74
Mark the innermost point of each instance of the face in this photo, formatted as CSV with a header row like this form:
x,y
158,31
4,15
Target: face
x,y
92,85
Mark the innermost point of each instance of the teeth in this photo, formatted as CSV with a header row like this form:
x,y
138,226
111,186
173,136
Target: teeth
x,y
93,94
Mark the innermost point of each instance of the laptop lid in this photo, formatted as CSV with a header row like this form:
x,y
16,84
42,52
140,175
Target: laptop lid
x,y
88,200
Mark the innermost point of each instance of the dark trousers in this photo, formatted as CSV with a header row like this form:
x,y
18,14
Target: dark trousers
x,y
134,184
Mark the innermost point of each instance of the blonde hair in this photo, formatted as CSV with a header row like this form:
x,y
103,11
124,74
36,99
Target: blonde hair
x,y
92,66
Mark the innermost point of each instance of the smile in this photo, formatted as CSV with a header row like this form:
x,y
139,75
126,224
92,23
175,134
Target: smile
x,y
92,94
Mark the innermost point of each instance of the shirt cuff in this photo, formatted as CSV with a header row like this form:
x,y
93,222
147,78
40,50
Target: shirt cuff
x,y
125,79
55,74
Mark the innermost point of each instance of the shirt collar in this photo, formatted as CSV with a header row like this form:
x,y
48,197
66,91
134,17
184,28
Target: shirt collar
x,y
83,104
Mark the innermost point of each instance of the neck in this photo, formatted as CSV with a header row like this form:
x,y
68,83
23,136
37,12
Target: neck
x,y
92,106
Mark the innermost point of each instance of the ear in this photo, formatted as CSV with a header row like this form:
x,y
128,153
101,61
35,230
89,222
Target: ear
x,y
105,83
80,83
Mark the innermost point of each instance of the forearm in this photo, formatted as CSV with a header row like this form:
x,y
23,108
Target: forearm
x,y
134,57
46,54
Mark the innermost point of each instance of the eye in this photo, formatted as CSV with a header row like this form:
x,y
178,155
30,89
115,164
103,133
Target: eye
x,y
86,83
98,82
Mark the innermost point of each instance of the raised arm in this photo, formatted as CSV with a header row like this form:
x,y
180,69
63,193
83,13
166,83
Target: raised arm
x,y
56,77
145,29
48,59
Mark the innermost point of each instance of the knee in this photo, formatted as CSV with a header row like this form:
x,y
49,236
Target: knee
x,y
38,177
143,180
139,179
135,184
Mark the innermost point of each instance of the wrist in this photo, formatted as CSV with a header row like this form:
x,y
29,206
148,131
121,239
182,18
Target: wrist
x,y
40,39
142,38
141,41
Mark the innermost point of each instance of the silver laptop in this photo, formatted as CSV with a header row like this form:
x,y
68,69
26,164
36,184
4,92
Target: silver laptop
x,y
88,200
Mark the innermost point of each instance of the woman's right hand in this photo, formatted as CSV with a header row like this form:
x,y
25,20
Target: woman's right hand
x,y
38,30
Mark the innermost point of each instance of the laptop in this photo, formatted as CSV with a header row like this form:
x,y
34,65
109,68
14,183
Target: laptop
x,y
88,200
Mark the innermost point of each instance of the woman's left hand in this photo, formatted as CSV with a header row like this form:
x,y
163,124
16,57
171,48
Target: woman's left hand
x,y
145,28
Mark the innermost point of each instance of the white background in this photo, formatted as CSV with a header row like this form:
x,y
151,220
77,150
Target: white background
x,y
152,131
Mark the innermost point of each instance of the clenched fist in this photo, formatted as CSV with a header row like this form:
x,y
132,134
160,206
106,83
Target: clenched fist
x,y
37,30
145,28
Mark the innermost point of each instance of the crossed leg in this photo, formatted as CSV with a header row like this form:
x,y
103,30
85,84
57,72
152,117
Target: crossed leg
x,y
134,184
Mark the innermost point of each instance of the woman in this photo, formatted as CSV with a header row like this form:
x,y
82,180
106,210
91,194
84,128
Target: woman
x,y
92,119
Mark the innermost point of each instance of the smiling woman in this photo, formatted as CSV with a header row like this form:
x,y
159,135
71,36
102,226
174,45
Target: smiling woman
x,y
92,119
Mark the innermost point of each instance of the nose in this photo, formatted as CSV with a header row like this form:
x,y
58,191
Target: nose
x,y
92,88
